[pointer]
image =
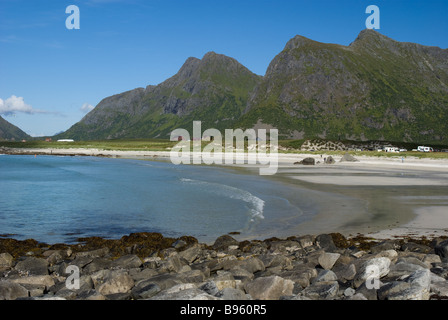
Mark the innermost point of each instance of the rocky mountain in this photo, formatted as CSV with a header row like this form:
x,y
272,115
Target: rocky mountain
x,y
214,90
374,89
9,131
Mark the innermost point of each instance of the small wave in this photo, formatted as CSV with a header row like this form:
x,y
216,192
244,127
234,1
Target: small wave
x,y
256,205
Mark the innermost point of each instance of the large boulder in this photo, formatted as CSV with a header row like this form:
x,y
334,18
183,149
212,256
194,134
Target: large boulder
x,y
372,269
11,291
33,266
269,288
116,282
442,249
348,158
330,160
308,161
328,259
223,242
322,290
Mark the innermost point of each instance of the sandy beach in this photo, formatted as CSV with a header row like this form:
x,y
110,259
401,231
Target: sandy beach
x,y
428,213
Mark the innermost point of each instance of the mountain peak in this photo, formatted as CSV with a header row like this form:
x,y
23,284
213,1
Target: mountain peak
x,y
297,42
370,35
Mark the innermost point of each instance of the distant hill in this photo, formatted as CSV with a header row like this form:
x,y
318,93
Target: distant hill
x,y
9,131
374,89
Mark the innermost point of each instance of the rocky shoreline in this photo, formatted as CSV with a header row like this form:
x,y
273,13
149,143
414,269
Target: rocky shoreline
x,y
150,266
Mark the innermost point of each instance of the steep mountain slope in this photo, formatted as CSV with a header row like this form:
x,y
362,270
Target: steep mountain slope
x,y
214,90
376,88
9,131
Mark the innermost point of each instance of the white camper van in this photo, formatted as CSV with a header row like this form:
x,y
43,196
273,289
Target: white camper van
x,y
425,149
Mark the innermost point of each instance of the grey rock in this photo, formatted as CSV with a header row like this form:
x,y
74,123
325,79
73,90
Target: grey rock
x,y
152,262
210,287
369,293
414,287
348,158
403,269
43,298
251,264
172,264
231,294
308,161
271,261
46,280
327,260
330,160
357,296
431,258
102,252
375,268
441,249
301,275
349,292
385,245
178,244
439,288
192,276
416,247
138,274
164,281
322,290
80,262
190,254
392,288
127,262
119,296
90,294
306,241
223,242
55,258
116,282
241,274
33,266
187,294
420,279
269,288
97,264
145,290
325,241
325,276
345,272
6,260
11,290
413,260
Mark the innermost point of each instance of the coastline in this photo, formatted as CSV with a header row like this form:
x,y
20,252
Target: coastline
x,y
306,265
421,221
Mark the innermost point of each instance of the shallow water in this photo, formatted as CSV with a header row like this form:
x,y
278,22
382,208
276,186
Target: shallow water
x,y
59,199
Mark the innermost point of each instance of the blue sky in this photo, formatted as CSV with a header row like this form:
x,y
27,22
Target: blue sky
x,y
49,73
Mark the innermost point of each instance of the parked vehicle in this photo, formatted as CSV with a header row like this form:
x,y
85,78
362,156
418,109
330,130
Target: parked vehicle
x,y
391,149
425,149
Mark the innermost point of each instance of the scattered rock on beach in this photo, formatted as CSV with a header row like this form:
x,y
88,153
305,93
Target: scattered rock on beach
x,y
348,158
308,161
330,160
322,267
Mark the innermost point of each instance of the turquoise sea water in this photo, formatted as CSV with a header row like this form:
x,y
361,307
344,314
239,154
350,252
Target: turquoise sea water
x,y
59,199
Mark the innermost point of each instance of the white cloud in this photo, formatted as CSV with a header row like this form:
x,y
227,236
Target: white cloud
x,y
86,108
16,104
